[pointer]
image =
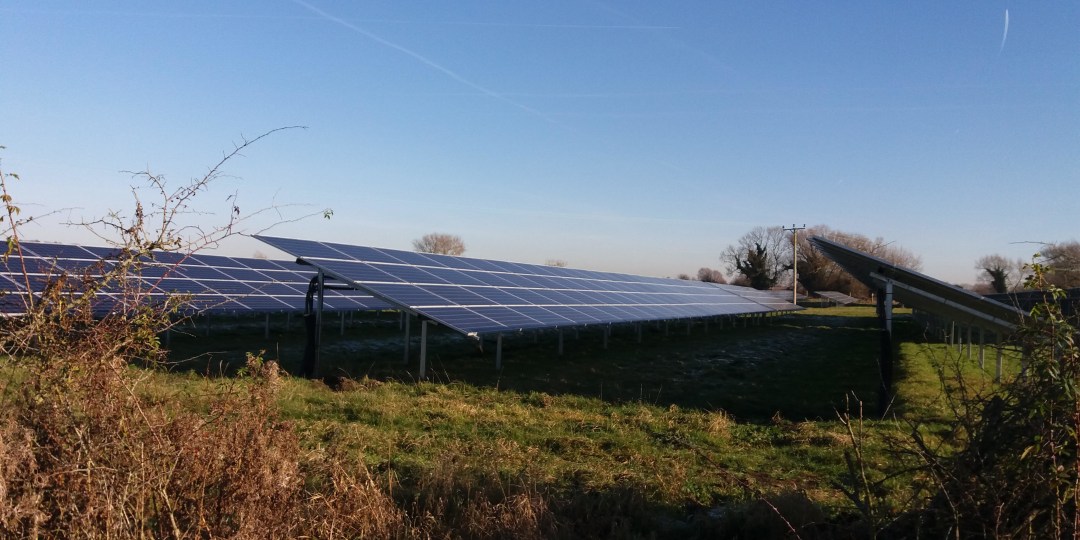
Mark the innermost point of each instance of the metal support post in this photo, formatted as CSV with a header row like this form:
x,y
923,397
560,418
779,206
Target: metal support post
x,y
266,329
498,352
321,296
1000,353
423,349
982,346
885,315
408,339
969,342
560,342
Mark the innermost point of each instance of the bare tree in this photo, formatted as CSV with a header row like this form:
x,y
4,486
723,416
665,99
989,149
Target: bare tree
x,y
1063,258
559,263
710,275
762,256
440,243
999,272
684,277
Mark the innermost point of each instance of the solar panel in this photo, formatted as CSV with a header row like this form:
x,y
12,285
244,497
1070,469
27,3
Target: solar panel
x,y
837,297
213,283
477,296
921,291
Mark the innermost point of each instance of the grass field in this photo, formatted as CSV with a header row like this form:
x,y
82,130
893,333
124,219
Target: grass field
x,y
669,437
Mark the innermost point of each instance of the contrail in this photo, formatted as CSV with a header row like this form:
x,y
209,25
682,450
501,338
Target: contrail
x,y
424,60
1005,34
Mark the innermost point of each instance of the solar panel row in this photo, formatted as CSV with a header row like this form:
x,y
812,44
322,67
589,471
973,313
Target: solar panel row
x,y
920,291
213,283
476,296
837,297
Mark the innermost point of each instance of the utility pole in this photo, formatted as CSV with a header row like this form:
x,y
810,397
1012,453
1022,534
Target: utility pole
x,y
795,261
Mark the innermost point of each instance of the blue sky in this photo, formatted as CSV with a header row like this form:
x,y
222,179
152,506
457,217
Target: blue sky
x,y
641,137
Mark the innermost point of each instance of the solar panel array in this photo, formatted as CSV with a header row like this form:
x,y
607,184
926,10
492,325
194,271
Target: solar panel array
x,y
212,283
475,296
785,294
837,297
920,291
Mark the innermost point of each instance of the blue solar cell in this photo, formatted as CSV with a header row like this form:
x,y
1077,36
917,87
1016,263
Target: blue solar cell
x,y
435,260
227,287
510,318
265,303
602,314
102,252
534,296
517,268
177,285
459,277
572,297
464,263
199,272
545,316
55,251
492,279
263,264
12,303
209,260
243,274
359,272
521,281
499,296
573,284
278,289
411,274
573,314
357,253
408,295
481,264
547,282
458,295
463,320
410,258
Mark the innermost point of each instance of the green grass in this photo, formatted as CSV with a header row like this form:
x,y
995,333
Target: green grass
x,y
800,366
677,422
687,418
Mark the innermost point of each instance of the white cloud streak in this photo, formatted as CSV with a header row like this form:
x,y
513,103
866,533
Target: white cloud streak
x,y
425,60
1005,34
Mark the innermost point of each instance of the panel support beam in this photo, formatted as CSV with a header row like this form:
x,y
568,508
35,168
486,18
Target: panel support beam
x,y
885,360
498,352
406,321
423,349
982,347
318,322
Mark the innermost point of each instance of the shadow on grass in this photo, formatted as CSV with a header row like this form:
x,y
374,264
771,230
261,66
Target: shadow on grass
x,y
799,366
